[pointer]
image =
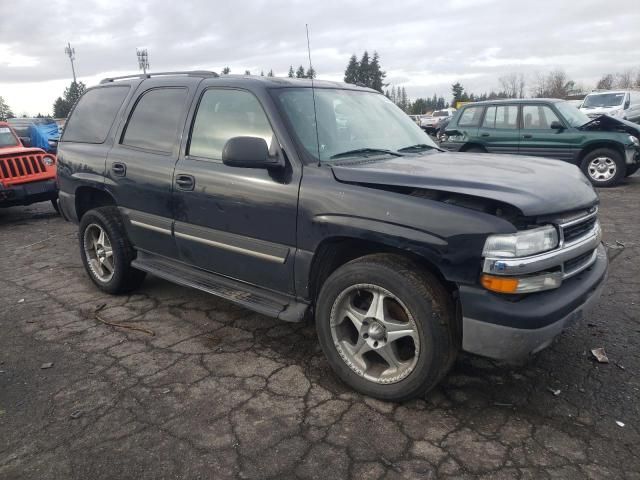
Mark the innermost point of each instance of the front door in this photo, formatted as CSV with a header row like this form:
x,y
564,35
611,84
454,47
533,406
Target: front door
x,y
540,140
140,165
236,222
499,131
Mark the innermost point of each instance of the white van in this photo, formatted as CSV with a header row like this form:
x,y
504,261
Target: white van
x,y
623,104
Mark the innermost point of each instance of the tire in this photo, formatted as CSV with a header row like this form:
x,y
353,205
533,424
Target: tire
x,y
604,167
631,169
121,277
475,150
414,295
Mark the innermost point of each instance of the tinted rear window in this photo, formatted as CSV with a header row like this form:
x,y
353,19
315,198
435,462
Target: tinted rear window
x,y
154,123
94,114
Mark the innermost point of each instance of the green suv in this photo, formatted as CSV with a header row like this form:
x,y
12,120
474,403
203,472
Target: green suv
x,y
605,148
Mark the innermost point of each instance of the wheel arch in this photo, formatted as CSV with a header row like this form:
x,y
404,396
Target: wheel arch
x,y
596,144
470,145
334,252
89,197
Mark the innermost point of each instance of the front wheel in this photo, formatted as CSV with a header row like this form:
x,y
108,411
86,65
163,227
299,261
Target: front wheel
x,y
386,327
106,251
604,167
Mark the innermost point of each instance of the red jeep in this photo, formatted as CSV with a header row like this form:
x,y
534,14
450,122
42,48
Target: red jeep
x,y
27,175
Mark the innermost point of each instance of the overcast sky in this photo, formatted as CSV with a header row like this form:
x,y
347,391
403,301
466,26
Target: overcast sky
x,y
424,45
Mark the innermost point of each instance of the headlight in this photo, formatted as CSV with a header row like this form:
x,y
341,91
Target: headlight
x,y
521,244
634,140
48,161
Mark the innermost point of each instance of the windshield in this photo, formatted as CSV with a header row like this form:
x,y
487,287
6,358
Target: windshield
x,y
571,114
603,100
442,113
7,138
364,123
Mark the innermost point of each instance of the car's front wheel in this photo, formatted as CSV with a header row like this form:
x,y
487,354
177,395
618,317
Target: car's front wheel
x,y
106,251
386,327
604,167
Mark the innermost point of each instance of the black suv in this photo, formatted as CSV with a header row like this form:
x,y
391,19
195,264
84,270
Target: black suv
x,y
290,200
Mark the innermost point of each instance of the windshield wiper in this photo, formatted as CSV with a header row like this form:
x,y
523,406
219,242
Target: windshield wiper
x,y
417,147
364,151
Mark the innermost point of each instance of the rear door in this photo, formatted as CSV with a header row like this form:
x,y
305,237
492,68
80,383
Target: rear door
x,y
540,140
141,163
236,222
499,132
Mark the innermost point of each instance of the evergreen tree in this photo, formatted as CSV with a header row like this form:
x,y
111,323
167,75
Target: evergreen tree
x,y
458,93
262,73
300,72
5,110
63,105
364,70
376,74
351,73
291,72
270,74
311,73
247,72
394,95
226,71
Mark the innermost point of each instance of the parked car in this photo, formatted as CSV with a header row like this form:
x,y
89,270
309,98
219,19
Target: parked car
x,y
605,148
27,175
404,254
415,118
431,123
624,104
37,132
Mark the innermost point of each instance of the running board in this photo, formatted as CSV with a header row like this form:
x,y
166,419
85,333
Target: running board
x,y
266,302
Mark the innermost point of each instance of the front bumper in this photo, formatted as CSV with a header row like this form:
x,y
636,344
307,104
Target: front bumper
x,y
451,146
502,328
28,193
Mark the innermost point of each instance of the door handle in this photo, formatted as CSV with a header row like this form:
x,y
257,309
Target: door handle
x,y
484,134
185,182
119,169
527,136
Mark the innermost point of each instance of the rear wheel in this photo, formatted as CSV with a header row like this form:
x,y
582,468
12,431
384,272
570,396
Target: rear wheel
x,y
385,326
106,251
604,167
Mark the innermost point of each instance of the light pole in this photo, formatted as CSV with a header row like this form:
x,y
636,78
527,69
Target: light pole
x,y
71,53
143,59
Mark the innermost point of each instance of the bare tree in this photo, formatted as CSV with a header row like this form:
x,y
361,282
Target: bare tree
x,y
624,79
513,85
554,84
606,82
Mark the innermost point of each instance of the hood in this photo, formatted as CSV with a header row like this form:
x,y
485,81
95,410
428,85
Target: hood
x,y
536,186
612,124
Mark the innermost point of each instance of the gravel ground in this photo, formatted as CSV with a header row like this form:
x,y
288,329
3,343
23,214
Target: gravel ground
x,y
220,392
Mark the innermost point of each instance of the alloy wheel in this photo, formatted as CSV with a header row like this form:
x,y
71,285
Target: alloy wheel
x,y
374,333
99,253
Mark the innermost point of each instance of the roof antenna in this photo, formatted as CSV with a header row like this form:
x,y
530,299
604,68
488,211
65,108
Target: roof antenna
x,y
313,94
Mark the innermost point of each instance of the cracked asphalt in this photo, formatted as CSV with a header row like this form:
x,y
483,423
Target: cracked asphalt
x,y
220,392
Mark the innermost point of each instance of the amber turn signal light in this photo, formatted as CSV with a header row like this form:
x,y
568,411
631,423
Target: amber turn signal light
x,y
499,284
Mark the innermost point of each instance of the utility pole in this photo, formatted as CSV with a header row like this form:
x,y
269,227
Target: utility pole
x,y
71,53
143,59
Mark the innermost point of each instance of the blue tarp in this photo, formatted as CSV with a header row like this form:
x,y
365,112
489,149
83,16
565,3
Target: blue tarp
x,y
41,134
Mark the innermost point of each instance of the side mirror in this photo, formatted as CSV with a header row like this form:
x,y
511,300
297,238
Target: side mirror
x,y
627,104
556,125
26,141
248,152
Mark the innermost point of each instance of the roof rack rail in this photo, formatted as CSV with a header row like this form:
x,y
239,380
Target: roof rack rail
x,y
192,73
